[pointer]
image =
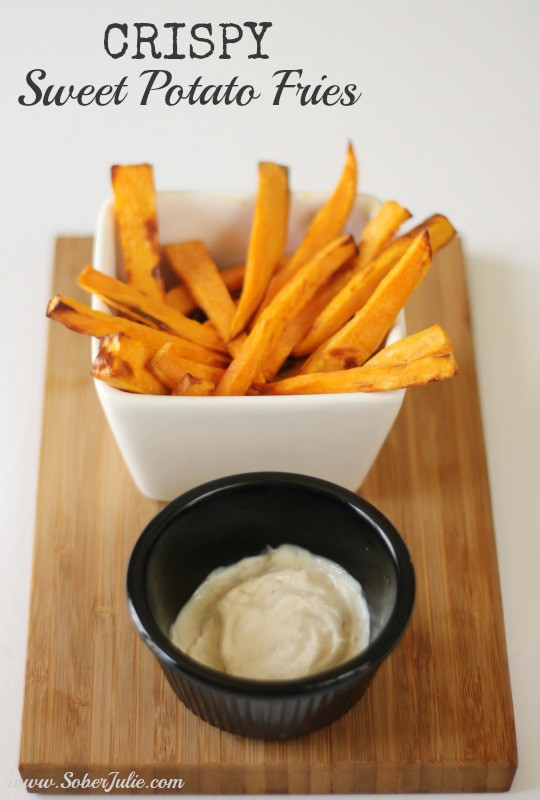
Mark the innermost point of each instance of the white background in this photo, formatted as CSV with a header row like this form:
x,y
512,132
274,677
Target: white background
x,y
448,121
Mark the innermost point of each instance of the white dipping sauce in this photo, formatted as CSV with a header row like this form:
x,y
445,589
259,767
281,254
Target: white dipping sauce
x,y
283,614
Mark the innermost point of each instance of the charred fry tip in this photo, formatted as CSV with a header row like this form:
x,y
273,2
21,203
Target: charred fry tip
x,y
52,304
117,167
347,240
83,274
189,384
111,340
449,354
102,363
455,371
438,216
283,167
57,304
426,240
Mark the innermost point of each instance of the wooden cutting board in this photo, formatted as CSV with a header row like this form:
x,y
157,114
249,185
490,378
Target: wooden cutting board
x,y
438,716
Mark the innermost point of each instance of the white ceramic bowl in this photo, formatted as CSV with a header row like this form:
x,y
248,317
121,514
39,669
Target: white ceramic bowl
x,y
171,444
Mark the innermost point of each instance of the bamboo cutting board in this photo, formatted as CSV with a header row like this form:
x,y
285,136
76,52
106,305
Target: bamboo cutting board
x,y
438,716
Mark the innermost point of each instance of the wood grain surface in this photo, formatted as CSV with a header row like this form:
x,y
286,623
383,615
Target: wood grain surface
x,y
438,716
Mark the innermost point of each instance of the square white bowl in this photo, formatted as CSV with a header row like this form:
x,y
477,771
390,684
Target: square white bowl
x,y
171,444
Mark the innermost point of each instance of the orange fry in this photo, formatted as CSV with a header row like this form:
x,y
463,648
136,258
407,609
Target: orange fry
x,y
379,230
433,341
326,226
366,378
267,241
169,365
301,323
123,363
135,204
81,318
191,262
179,297
142,308
367,329
363,283
284,307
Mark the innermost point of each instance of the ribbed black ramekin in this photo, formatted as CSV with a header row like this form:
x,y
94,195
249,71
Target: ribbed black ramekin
x,y
219,523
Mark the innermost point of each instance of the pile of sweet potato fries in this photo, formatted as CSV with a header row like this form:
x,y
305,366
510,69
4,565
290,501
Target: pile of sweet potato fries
x,y
314,322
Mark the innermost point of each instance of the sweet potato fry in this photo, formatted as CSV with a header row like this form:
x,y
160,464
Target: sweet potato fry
x,y
367,329
363,283
366,378
379,230
122,362
192,263
284,307
179,297
80,318
190,386
300,324
170,366
135,204
433,341
142,308
326,226
267,241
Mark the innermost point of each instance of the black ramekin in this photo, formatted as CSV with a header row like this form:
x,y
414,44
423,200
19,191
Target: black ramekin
x,y
219,523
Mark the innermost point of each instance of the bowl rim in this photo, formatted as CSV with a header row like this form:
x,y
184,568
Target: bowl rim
x,y
365,662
